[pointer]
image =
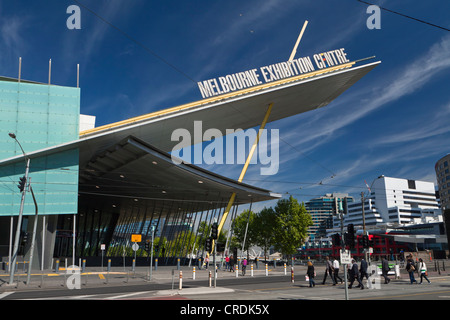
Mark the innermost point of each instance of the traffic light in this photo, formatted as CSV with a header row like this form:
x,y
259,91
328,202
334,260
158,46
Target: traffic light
x,y
147,245
214,231
365,241
208,244
336,240
345,205
220,247
370,237
350,237
21,184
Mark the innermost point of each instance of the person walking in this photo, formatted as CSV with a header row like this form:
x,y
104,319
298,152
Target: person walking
x,y
231,263
384,270
244,266
336,270
328,270
363,269
354,275
227,262
311,274
410,267
423,271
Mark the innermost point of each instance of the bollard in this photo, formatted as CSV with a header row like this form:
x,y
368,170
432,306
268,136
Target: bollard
x,y
199,263
181,280
156,264
210,279
292,274
274,263
109,265
193,273
267,270
251,270
133,265
83,266
57,266
285,268
237,270
178,264
257,265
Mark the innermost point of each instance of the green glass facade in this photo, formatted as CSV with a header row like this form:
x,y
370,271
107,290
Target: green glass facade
x,y
41,116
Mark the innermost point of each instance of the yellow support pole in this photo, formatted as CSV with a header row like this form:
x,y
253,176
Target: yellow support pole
x,y
244,170
252,150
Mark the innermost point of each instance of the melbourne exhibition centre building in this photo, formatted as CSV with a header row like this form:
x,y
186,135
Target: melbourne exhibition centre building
x,y
89,190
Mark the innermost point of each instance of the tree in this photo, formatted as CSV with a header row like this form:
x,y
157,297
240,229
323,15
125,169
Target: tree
x,y
291,225
263,226
241,232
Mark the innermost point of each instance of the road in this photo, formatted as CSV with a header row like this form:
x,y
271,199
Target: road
x,y
279,287
274,297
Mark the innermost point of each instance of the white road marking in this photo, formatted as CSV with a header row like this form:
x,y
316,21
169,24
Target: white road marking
x,y
5,294
127,295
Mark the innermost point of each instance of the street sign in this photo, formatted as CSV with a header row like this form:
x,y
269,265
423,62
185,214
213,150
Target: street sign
x,y
136,237
345,257
135,246
103,247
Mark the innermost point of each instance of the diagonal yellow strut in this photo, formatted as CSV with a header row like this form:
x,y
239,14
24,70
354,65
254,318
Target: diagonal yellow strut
x,y
244,170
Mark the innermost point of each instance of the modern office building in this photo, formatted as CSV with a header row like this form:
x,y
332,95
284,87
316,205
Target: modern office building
x,y
402,214
394,201
321,211
95,187
443,180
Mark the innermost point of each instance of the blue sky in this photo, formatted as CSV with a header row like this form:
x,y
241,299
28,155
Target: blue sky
x,y
395,121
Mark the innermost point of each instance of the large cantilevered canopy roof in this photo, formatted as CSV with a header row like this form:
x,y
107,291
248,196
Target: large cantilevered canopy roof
x,y
134,172
239,110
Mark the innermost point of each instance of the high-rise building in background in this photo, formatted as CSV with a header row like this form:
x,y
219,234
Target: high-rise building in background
x,y
394,201
321,211
402,215
443,180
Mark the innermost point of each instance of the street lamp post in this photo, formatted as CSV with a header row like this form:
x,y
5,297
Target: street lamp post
x,y
19,222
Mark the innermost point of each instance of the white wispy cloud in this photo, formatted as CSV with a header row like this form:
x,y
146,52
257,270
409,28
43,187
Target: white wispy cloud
x,y
12,41
81,45
259,17
436,124
358,104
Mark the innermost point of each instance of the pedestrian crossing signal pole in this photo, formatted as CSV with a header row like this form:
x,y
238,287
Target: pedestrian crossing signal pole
x,y
214,237
340,214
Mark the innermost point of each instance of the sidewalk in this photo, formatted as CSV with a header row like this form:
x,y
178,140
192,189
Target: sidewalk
x,y
118,276
197,282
